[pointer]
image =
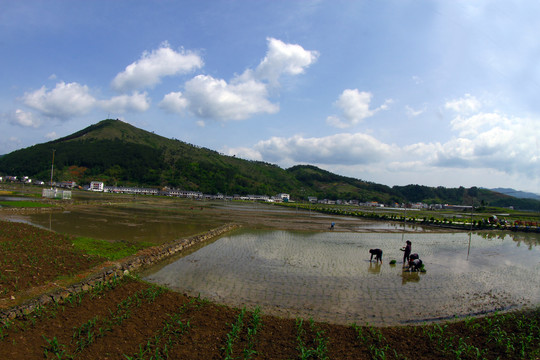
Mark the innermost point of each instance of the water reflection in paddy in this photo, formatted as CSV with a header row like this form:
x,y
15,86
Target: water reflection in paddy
x,y
133,223
328,276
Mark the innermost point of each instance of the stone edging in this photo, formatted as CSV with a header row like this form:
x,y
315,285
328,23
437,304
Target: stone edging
x,y
144,258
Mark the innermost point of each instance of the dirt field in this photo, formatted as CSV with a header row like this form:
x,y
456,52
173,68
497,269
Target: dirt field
x,y
129,319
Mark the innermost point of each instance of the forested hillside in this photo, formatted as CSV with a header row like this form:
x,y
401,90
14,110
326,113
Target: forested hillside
x,y
118,153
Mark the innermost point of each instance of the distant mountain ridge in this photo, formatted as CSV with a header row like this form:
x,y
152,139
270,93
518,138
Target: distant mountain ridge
x,y
517,193
118,153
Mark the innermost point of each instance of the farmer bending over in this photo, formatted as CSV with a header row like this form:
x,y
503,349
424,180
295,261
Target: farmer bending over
x,y
377,253
415,265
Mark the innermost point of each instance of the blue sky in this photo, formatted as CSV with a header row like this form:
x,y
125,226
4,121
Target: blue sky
x,y
437,93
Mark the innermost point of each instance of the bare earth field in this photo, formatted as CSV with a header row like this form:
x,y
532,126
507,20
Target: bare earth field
x,y
130,319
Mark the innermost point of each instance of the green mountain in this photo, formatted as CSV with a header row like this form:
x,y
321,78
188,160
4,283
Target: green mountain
x,y
118,153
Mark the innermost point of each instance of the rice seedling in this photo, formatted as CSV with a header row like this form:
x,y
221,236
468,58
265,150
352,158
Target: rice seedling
x,y
374,341
84,335
252,330
56,349
233,335
3,329
319,349
157,347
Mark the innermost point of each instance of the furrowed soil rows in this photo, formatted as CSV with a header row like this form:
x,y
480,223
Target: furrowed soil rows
x,y
30,256
130,319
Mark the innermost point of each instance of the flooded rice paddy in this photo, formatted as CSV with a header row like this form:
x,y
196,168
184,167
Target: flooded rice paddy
x,y
318,273
134,223
328,275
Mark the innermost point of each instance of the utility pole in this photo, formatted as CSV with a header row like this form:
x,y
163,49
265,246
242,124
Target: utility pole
x,y
470,232
52,167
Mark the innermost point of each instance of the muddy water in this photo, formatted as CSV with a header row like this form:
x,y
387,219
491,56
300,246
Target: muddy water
x,y
132,224
328,276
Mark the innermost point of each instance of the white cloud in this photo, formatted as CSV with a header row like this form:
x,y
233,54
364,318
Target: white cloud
x,y
24,118
136,102
476,123
207,97
355,107
174,102
467,104
483,144
282,58
489,140
245,95
151,67
244,153
215,98
413,112
346,149
496,141
64,101
51,135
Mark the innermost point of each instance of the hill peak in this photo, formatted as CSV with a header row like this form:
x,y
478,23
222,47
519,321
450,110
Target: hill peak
x,y
110,129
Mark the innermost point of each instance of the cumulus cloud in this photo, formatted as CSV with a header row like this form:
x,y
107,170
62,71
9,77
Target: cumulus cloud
x,y
174,102
282,58
154,65
482,144
238,100
64,101
244,95
355,107
474,124
243,152
24,118
467,104
344,149
492,140
136,102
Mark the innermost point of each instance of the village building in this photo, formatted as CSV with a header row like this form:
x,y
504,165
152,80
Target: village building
x,y
284,197
96,186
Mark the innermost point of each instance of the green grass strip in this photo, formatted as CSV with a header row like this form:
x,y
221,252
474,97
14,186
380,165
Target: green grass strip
x,y
108,249
24,204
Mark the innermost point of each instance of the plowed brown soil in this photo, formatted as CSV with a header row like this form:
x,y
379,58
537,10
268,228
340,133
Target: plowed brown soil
x,y
58,332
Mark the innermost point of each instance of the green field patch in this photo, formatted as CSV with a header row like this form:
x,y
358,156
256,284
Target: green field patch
x,y
24,204
112,250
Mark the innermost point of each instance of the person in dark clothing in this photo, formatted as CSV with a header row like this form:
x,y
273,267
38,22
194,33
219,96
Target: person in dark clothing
x,y
377,253
415,265
407,252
